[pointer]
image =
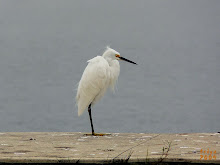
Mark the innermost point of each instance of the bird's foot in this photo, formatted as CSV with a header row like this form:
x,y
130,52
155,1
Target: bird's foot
x,y
97,134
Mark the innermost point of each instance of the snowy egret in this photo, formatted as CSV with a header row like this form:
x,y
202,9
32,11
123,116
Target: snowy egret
x,y
101,73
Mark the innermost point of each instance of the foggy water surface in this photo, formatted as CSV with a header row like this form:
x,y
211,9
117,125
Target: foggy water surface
x,y
45,45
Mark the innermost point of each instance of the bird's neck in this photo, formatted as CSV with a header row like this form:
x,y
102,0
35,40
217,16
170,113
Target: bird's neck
x,y
109,60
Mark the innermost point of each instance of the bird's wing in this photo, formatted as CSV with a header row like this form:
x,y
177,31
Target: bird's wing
x,y
94,80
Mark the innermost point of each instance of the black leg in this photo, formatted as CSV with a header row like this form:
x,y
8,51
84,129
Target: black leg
x,y
90,116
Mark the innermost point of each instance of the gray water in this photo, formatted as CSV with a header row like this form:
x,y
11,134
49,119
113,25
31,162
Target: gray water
x,y
45,45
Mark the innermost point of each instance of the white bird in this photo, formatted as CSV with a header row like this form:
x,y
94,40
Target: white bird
x,y
101,73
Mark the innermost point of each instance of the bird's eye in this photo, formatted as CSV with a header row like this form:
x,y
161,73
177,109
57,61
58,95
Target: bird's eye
x,y
117,55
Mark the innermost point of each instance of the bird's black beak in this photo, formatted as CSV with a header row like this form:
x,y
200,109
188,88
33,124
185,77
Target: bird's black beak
x,y
124,59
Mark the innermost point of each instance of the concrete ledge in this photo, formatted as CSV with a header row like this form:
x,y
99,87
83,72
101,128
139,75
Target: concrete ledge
x,y
68,147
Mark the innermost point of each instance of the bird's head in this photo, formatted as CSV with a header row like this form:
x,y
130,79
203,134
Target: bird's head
x,y
111,54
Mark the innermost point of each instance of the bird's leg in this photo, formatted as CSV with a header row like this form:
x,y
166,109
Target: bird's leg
x,y
93,132
90,116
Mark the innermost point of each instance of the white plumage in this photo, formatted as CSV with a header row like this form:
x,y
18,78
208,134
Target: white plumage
x,y
101,73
